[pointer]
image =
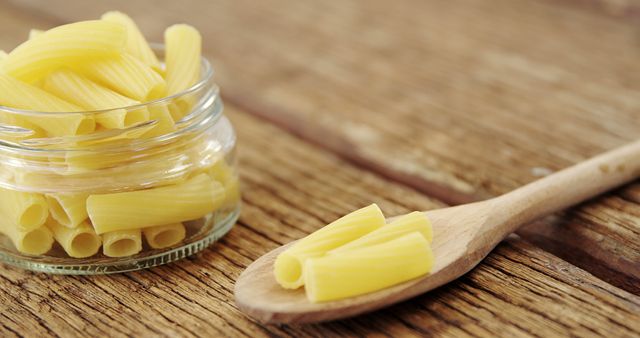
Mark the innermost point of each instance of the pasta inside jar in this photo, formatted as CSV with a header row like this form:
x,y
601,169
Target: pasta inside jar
x,y
151,183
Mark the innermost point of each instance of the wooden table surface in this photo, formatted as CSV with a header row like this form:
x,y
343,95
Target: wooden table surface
x,y
409,104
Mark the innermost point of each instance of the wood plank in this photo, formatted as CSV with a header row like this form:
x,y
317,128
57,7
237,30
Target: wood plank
x,y
462,100
608,221
519,290
619,9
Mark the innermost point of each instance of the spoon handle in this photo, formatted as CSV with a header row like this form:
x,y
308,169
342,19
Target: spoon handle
x,y
569,186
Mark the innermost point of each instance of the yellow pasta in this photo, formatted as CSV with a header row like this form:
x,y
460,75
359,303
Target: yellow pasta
x,y
25,210
122,243
85,161
223,173
12,122
183,53
81,87
36,241
79,242
55,125
125,165
121,138
34,33
122,118
165,159
189,200
183,48
220,171
289,265
136,45
164,236
367,269
413,222
164,122
89,95
126,75
73,43
9,122
20,95
68,209
182,105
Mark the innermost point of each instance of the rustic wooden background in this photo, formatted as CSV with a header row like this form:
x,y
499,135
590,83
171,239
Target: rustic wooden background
x,y
410,104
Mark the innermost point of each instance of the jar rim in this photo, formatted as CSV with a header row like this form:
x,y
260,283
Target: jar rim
x,y
207,73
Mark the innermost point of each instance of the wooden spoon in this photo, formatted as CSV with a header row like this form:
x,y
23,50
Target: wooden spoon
x,y
463,236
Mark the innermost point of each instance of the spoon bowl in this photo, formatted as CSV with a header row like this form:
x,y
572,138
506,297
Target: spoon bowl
x,y
270,303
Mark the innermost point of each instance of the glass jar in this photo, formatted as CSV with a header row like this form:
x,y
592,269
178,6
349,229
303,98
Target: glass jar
x,y
148,193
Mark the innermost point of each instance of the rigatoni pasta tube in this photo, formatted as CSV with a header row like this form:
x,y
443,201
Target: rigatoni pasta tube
x,y
84,161
122,243
20,95
126,75
184,46
183,52
18,129
220,171
3,55
25,210
413,222
367,269
223,173
164,122
62,45
136,44
33,242
89,95
289,265
189,200
68,209
164,236
79,242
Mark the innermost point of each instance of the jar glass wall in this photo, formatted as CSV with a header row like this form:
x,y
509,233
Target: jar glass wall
x,y
159,188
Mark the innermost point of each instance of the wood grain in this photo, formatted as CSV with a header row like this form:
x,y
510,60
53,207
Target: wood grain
x,y
423,90
462,100
607,220
518,291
